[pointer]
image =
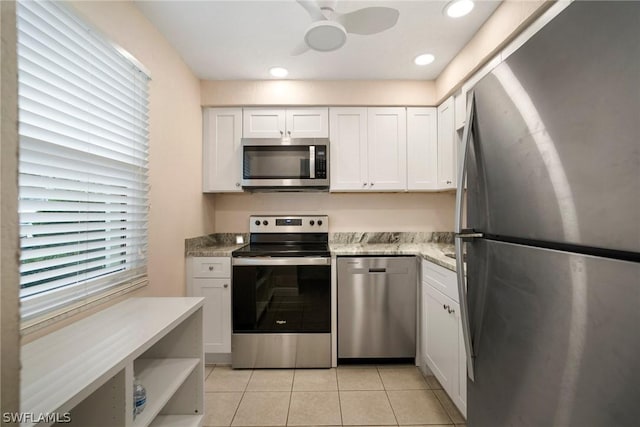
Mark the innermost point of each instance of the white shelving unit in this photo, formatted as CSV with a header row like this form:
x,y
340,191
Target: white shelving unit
x,y
87,368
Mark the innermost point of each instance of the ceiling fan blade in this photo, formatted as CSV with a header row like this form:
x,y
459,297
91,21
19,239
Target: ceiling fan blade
x,y
300,49
313,9
370,20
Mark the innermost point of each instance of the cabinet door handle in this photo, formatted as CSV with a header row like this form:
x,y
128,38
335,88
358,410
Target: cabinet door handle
x,y
211,268
281,133
371,184
364,184
446,307
226,285
237,184
448,182
289,132
451,310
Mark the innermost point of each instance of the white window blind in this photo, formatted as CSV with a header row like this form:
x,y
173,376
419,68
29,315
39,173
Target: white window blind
x,y
83,127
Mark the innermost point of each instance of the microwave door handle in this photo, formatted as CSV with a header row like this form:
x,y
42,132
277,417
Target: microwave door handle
x,y
312,161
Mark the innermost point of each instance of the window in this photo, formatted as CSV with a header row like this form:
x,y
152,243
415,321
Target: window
x,y
83,132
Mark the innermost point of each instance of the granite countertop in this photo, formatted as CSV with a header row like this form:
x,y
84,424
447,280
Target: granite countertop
x,y
431,246
431,251
220,244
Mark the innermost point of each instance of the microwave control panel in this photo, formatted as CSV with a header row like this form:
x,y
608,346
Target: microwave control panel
x,y
321,162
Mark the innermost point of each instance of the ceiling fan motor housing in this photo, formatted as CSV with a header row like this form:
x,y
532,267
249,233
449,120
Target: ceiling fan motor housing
x,y
325,36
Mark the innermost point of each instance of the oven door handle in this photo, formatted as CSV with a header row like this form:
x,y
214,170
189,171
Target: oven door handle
x,y
282,261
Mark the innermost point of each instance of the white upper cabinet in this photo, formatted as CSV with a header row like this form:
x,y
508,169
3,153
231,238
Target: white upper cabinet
x,y
279,122
387,149
368,149
447,146
348,149
308,122
221,150
422,149
263,123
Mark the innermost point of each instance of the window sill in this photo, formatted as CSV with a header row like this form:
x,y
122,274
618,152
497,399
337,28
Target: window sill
x,y
49,319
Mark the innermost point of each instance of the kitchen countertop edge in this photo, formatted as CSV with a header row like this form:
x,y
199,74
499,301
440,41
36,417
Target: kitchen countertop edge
x,y
430,251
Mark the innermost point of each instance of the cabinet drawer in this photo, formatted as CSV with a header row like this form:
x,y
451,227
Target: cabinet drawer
x,y
219,267
441,279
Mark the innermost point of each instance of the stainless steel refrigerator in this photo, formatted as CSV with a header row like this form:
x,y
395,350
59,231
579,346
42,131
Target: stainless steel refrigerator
x,y
551,303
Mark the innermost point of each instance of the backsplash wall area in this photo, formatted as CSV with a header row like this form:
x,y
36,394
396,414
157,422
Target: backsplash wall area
x,y
348,212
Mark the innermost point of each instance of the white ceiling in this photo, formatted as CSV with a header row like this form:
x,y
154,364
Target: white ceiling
x,y
238,40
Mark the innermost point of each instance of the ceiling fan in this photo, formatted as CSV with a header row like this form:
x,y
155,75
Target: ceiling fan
x,y
329,30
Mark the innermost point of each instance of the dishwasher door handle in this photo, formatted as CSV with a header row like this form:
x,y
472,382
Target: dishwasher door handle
x,y
377,270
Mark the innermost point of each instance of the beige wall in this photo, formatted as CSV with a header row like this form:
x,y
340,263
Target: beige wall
x,y
9,282
178,208
318,92
347,211
509,19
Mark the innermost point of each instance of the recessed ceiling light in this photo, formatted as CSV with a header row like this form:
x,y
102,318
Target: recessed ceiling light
x,y
425,59
278,72
458,8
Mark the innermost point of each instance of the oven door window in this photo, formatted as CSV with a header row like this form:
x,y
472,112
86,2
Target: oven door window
x,y
281,162
276,299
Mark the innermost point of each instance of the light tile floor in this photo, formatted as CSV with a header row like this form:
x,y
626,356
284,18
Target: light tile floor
x,y
385,395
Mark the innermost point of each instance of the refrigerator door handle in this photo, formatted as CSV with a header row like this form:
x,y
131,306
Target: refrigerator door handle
x,y
460,265
462,173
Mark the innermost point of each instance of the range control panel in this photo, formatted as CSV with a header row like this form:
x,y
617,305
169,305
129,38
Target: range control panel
x,y
289,224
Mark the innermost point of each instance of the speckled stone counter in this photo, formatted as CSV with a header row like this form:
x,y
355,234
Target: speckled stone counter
x,y
219,244
433,252
431,246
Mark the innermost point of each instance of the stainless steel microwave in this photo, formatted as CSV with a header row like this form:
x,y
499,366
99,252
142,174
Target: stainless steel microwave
x,y
285,164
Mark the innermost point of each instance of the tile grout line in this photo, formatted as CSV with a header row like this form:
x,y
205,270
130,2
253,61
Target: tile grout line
x,y
339,400
241,398
293,380
388,399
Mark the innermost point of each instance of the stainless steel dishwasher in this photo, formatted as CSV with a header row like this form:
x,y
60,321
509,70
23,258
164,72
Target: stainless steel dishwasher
x,y
377,307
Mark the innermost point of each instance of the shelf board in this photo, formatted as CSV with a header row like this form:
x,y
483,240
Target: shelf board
x,y
64,367
161,378
178,421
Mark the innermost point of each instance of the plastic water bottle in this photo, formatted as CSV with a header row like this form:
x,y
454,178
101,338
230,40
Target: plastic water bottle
x,y
139,397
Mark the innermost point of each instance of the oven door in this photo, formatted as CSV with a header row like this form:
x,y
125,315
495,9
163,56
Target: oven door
x,y
281,295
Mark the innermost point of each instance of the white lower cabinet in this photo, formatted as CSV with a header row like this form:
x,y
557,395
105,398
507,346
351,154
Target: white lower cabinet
x,y
210,277
441,336
217,313
442,346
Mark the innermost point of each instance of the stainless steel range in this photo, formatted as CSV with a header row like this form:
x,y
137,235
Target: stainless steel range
x,y
282,294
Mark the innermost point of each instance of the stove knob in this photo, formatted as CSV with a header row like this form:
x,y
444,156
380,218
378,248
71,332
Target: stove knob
x,y
319,222
257,222
265,222
311,222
